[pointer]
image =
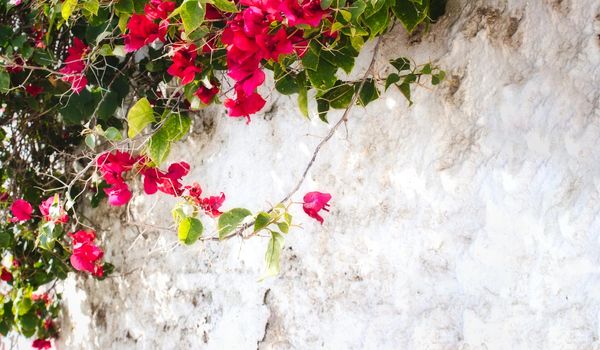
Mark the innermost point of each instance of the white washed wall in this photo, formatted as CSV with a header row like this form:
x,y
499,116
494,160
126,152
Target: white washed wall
x,y
469,221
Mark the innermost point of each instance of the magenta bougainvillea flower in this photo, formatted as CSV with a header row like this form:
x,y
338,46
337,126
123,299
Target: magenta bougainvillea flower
x,y
315,202
158,9
143,31
211,205
183,65
41,344
118,194
5,275
205,94
33,90
58,215
167,182
250,38
111,167
244,105
75,65
304,12
86,256
21,210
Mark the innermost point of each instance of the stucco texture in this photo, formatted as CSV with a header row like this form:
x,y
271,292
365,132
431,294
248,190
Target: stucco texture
x,y
467,221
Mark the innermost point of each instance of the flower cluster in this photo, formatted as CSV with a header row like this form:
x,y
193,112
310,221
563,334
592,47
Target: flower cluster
x,y
261,31
51,209
86,255
210,204
114,165
74,66
144,29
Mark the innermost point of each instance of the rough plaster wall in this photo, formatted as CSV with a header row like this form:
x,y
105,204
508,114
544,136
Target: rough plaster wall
x,y
469,221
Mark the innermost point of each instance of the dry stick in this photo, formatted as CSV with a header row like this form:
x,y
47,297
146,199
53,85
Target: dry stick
x,y
342,120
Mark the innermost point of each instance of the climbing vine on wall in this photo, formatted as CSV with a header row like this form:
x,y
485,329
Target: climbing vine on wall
x,y
94,93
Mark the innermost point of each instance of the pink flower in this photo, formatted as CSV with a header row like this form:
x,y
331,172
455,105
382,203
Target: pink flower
x,y
305,12
118,194
41,344
113,165
3,196
274,45
143,31
169,182
183,65
58,215
33,90
158,9
5,275
194,191
75,65
314,202
244,105
205,94
21,210
86,255
211,205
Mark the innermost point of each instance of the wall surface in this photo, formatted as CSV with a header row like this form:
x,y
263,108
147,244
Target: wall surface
x,y
468,221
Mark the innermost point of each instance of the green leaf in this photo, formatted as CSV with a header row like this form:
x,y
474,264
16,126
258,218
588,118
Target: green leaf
x,y
357,8
339,96
391,79
401,63
273,254
176,126
405,90
310,60
377,21
6,238
68,6
283,227
125,6
303,101
411,14
91,7
4,81
322,109
225,6
323,77
48,235
159,147
368,93
286,82
139,116
325,4
90,141
113,134
288,218
230,220
190,229
192,14
438,78
262,220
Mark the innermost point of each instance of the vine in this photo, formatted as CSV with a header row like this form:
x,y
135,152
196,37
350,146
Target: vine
x,y
94,93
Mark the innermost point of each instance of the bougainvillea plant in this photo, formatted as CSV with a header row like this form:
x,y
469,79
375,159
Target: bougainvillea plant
x,y
93,94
